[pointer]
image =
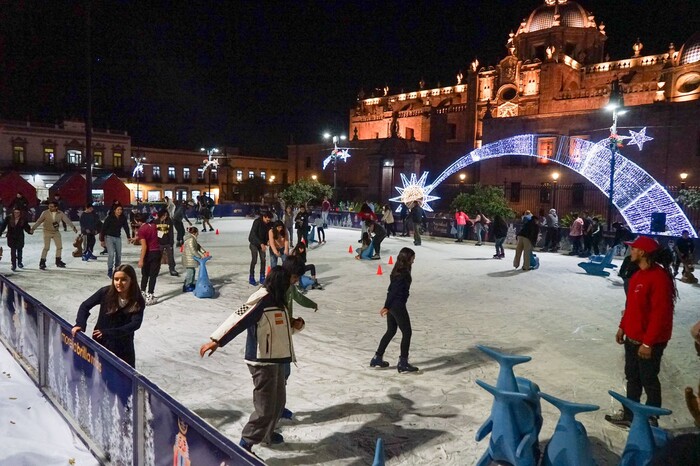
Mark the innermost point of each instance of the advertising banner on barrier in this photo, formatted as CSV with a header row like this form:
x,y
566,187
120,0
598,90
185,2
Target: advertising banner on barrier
x,y
19,325
94,391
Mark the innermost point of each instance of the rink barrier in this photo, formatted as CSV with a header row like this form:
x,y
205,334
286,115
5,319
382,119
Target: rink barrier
x,y
123,417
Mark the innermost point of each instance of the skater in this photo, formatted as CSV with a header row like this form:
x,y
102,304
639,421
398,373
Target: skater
x,y
150,257
301,223
378,234
278,241
551,241
461,220
366,241
481,227
288,220
89,226
404,220
417,218
258,239
121,314
166,238
52,219
191,250
685,248
396,313
16,224
325,208
527,237
305,282
268,347
320,230
500,231
596,235
575,234
178,215
206,210
388,219
110,236
646,324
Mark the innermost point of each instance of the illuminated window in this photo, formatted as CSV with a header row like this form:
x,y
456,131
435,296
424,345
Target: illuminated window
x,y
97,158
186,174
74,157
18,155
168,193
153,196
545,149
214,174
251,174
263,175
49,156
200,174
239,175
545,193
118,160
156,172
171,174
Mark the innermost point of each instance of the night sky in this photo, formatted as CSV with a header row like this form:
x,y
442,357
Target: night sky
x,y
255,74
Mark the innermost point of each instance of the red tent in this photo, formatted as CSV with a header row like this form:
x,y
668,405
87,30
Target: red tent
x,y
113,189
71,187
12,183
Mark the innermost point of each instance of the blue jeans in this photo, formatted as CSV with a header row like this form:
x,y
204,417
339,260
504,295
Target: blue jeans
x,y
305,281
460,231
478,229
114,250
274,259
499,246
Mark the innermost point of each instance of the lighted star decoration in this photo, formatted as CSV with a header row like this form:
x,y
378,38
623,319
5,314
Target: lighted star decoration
x,y
414,189
210,162
337,153
138,169
639,138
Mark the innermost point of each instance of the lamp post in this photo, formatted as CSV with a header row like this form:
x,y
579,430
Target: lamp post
x,y
209,163
138,171
555,178
334,154
684,176
617,106
314,177
462,177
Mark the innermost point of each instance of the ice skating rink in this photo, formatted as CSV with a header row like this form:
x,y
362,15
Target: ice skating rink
x,y
460,297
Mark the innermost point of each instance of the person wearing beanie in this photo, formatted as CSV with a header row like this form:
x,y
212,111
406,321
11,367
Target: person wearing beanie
x,y
646,324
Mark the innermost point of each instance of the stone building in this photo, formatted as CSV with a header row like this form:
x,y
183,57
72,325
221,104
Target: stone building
x,y
555,79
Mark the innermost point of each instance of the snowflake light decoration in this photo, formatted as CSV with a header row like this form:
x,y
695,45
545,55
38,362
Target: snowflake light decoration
x,y
214,163
414,189
138,169
336,153
639,138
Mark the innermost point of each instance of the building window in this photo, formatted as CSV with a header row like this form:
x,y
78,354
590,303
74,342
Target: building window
x,y
153,196
251,174
200,174
168,194
156,172
515,192
49,156
97,158
409,133
118,160
186,174
577,191
451,131
308,162
263,175
171,173
214,174
19,156
74,157
195,195
545,193
545,150
239,175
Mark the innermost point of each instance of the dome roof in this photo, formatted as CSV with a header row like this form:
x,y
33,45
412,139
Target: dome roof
x,y
571,14
690,53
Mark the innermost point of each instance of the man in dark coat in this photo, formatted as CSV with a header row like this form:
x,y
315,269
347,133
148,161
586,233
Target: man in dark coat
x,y
258,238
16,224
417,217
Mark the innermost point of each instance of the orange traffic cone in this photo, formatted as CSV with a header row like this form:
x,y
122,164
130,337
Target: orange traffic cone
x,y
391,260
379,270
182,248
268,270
350,249
217,231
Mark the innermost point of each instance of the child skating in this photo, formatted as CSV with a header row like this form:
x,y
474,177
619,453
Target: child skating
x,y
191,250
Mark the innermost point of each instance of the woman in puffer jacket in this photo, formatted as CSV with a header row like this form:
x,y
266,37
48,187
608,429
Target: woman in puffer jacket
x,y
191,250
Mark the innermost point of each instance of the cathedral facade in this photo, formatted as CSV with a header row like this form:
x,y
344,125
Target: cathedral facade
x,y
555,79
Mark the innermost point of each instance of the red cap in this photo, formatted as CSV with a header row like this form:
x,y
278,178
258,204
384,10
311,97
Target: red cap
x,y
644,243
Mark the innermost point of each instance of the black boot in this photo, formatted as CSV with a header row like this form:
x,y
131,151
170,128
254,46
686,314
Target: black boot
x,y
42,264
60,263
377,361
404,366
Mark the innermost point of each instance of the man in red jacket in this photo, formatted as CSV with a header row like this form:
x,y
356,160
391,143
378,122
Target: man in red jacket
x,y
645,327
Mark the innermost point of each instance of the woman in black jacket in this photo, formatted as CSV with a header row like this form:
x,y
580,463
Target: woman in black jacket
x,y
121,313
110,236
396,313
16,225
500,231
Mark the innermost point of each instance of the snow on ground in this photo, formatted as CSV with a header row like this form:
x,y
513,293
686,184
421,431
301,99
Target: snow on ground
x,y
460,297
32,432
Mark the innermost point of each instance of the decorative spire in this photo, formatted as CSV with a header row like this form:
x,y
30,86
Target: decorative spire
x,y
460,77
421,83
475,65
637,47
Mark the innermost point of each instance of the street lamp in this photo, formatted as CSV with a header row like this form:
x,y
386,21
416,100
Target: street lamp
x,y
684,176
138,170
272,179
555,178
210,163
617,106
335,154
314,177
462,177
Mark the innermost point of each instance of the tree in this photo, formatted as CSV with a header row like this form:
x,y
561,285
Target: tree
x,y
689,198
305,191
490,200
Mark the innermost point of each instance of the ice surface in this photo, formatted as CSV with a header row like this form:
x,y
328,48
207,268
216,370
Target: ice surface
x,y
460,297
